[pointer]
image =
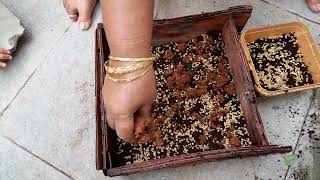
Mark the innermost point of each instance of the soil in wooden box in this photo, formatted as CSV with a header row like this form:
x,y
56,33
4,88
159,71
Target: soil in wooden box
x,y
279,62
196,107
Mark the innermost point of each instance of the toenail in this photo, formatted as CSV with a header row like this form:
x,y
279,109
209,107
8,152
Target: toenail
x,y
83,25
73,15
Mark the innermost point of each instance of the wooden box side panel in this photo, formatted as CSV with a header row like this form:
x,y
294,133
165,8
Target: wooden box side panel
x,y
186,28
99,159
186,159
104,135
243,83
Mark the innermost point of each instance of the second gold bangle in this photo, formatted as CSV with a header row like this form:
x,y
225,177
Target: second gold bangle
x,y
128,79
127,69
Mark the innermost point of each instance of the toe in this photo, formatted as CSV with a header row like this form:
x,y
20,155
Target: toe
x,y
84,19
315,8
84,24
314,5
71,10
74,17
85,12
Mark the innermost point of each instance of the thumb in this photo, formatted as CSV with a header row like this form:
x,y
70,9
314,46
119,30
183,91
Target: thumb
x,y
124,125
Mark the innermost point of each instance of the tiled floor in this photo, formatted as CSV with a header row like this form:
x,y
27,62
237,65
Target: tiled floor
x,y
47,115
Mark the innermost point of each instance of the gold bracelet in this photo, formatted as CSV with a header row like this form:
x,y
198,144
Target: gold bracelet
x,y
128,79
152,58
126,69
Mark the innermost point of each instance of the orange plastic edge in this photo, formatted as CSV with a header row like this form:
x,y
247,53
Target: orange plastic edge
x,y
308,47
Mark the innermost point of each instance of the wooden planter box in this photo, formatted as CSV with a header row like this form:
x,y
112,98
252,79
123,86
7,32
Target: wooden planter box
x,y
230,22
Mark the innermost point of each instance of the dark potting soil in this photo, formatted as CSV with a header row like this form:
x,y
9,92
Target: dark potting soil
x,y
279,62
196,107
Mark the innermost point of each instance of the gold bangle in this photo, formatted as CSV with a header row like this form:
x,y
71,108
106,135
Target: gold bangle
x,y
126,69
128,79
152,58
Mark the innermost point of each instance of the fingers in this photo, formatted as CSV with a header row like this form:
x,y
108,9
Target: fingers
x,y
4,56
4,51
110,121
127,125
124,125
141,119
3,65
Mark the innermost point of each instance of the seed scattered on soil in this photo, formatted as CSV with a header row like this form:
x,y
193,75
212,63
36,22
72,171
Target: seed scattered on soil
x,y
279,62
196,107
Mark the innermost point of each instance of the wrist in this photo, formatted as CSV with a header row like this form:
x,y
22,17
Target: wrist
x,y
135,73
142,53
132,51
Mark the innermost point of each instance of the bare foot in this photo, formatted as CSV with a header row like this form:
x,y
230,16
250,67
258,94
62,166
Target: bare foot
x,y
314,5
81,11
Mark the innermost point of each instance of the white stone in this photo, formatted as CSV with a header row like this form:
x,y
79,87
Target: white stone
x,y
10,29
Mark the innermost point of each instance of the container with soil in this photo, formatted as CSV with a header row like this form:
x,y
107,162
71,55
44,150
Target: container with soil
x,y
279,63
202,111
196,107
282,58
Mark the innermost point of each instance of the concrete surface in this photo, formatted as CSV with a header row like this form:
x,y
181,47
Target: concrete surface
x,y
18,163
47,102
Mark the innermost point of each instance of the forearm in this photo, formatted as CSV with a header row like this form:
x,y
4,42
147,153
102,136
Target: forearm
x,y
128,26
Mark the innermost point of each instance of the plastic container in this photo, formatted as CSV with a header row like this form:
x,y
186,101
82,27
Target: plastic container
x,y
308,48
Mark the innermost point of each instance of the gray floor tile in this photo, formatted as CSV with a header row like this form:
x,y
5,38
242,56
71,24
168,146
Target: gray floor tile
x,y
282,116
298,7
308,148
16,164
226,170
44,23
54,115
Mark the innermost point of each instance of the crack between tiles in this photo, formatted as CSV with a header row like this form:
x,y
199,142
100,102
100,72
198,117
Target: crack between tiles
x,y
39,158
312,98
24,84
31,75
290,11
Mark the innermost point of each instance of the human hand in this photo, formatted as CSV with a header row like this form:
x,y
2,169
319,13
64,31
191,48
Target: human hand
x,y
5,55
127,104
